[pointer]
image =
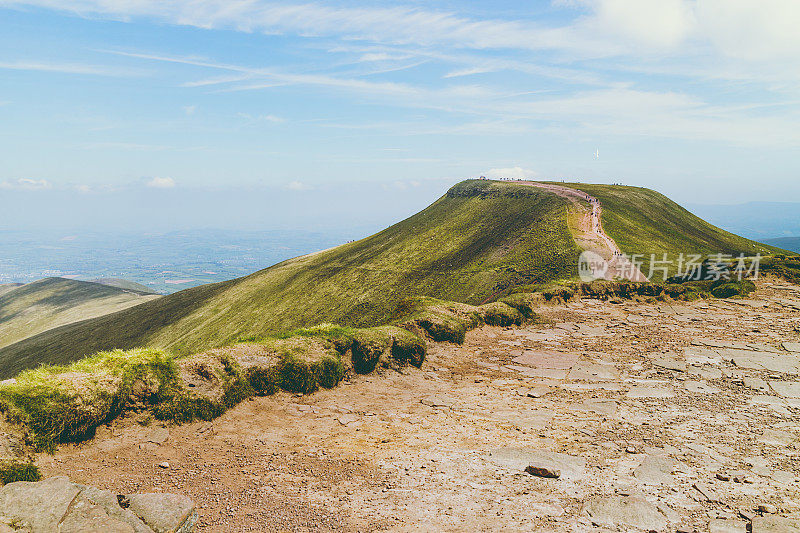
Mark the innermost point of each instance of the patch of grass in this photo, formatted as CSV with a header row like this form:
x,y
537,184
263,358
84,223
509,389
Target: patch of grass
x,y
13,470
500,314
408,347
525,303
264,380
67,403
782,265
368,346
298,375
331,371
441,320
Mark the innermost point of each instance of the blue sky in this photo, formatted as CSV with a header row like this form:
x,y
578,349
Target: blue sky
x,y
699,99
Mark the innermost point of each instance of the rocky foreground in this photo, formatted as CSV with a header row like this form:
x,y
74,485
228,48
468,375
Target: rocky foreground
x,y
619,416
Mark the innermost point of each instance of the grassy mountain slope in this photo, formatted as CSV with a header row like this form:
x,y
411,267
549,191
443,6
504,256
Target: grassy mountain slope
x,y
124,284
8,287
642,221
476,240
36,307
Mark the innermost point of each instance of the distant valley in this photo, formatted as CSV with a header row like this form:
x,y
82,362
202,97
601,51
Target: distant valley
x,y
163,263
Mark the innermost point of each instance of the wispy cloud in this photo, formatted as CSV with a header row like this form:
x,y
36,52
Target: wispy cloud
x,y
253,119
608,27
160,183
71,68
298,186
26,184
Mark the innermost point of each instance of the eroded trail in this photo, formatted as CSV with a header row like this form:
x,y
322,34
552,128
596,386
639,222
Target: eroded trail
x,y
657,415
589,234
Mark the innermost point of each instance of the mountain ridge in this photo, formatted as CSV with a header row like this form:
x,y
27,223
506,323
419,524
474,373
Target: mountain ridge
x,y
479,240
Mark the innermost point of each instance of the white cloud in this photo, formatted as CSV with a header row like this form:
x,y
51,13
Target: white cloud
x,y
511,172
69,68
26,184
765,29
653,23
262,118
189,109
161,183
469,72
298,186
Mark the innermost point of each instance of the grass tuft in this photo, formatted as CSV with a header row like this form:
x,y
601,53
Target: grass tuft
x,y
500,314
13,470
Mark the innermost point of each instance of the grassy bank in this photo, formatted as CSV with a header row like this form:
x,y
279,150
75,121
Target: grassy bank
x,y
64,403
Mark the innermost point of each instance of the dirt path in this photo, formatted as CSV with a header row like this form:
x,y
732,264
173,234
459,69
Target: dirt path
x,y
681,413
589,234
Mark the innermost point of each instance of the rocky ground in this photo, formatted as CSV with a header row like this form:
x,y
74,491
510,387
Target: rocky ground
x,y
627,416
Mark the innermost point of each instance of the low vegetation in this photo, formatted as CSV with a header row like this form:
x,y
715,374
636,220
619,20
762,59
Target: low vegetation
x,y
13,470
783,266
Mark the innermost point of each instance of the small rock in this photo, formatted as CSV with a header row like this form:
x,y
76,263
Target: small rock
x,y
163,465
767,508
541,470
723,477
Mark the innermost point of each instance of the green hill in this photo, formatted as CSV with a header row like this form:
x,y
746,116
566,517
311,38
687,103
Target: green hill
x,y
30,309
124,284
8,287
479,240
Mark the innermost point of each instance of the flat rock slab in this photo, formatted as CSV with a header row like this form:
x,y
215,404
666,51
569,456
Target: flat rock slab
x,y
650,391
438,402
791,346
787,363
588,371
158,436
570,466
57,504
670,363
711,343
705,372
720,525
756,383
776,437
547,359
787,389
164,512
695,355
700,387
624,511
775,524
655,470
548,373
